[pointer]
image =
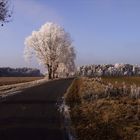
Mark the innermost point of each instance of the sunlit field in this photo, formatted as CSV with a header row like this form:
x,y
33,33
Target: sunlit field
x,y
15,80
105,108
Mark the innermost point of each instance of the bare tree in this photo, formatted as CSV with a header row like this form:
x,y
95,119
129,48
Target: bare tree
x,y
5,12
52,46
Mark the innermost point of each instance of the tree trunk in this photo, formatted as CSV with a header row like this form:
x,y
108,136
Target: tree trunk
x,y
49,72
50,75
53,74
54,71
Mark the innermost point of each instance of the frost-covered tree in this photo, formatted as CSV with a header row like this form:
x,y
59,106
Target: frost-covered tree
x,y
5,12
51,46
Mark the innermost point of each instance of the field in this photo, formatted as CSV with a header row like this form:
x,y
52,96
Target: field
x,y
105,109
120,80
15,80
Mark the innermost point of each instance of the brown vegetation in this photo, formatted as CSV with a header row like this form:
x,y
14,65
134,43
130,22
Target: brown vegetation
x,y
97,115
15,80
120,80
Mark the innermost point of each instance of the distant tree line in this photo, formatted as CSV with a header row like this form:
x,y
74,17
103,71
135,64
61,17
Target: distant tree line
x,y
17,72
109,70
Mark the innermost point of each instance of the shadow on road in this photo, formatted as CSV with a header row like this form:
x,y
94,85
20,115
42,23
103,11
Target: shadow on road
x,y
33,113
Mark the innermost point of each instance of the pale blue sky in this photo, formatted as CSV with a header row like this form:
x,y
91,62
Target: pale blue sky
x,y
104,31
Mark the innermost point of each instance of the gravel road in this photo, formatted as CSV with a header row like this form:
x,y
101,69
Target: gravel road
x,y
33,113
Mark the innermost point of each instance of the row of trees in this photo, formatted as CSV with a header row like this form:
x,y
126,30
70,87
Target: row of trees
x,y
53,48
27,72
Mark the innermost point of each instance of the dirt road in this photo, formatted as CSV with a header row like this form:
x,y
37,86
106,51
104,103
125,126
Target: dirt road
x,y
33,113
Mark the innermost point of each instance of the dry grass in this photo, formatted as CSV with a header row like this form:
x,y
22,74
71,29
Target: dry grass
x,y
120,80
105,117
15,80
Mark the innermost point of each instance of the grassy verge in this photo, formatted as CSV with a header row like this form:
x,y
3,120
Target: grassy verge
x,y
102,114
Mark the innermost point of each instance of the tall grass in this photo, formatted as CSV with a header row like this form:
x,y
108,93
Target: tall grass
x,y
104,110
